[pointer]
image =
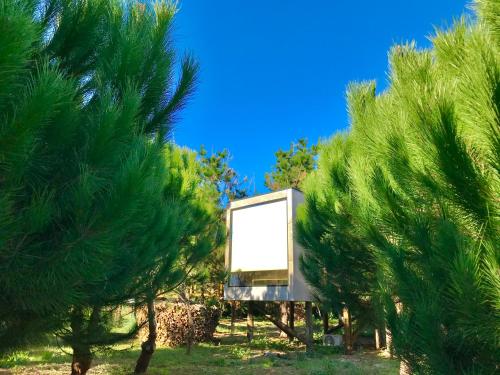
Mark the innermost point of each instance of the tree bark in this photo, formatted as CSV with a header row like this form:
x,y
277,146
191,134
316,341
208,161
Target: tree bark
x,y
309,327
346,317
283,317
190,334
291,319
282,326
377,338
388,342
82,355
324,317
82,359
404,369
148,347
202,287
250,321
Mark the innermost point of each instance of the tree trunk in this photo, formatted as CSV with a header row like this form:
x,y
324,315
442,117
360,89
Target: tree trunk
x,y
346,317
250,322
82,359
316,313
291,319
281,326
309,327
404,369
190,334
324,317
283,317
233,317
388,342
377,338
82,356
220,290
148,347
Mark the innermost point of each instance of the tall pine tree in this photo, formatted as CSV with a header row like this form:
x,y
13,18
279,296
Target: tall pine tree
x,y
337,261
88,99
423,174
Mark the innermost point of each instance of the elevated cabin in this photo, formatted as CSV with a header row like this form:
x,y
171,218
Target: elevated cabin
x,y
262,253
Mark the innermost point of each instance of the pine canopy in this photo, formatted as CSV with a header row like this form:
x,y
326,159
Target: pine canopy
x,y
417,177
91,204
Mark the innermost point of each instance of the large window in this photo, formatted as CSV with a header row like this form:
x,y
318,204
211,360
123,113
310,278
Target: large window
x,y
259,278
259,245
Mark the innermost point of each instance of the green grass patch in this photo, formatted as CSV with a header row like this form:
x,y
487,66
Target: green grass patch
x,y
267,354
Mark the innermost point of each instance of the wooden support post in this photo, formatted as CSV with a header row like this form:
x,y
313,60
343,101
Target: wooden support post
x,y
309,327
377,338
233,317
346,317
250,322
283,317
291,318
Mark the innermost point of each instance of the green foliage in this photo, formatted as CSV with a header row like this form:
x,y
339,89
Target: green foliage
x,y
420,173
204,231
328,229
221,184
215,170
233,352
187,229
292,166
95,209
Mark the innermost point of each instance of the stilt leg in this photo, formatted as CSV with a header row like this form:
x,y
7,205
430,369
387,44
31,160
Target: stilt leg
x,y
309,327
250,322
291,319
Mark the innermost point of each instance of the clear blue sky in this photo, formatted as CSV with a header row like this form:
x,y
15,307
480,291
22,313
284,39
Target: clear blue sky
x,y
273,71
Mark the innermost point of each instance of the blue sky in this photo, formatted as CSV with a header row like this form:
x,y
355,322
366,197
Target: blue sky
x,y
273,71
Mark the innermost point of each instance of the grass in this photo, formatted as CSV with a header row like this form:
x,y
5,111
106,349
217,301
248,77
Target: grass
x,y
267,354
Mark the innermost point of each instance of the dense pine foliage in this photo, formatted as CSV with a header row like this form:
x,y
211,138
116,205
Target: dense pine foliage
x,y
401,224
95,207
404,209
339,262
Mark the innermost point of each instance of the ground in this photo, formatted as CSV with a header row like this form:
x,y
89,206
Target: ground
x,y
267,354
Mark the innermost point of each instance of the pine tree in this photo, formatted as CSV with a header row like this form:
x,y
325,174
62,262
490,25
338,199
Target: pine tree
x,y
337,261
192,229
87,98
225,185
424,173
292,166
290,170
